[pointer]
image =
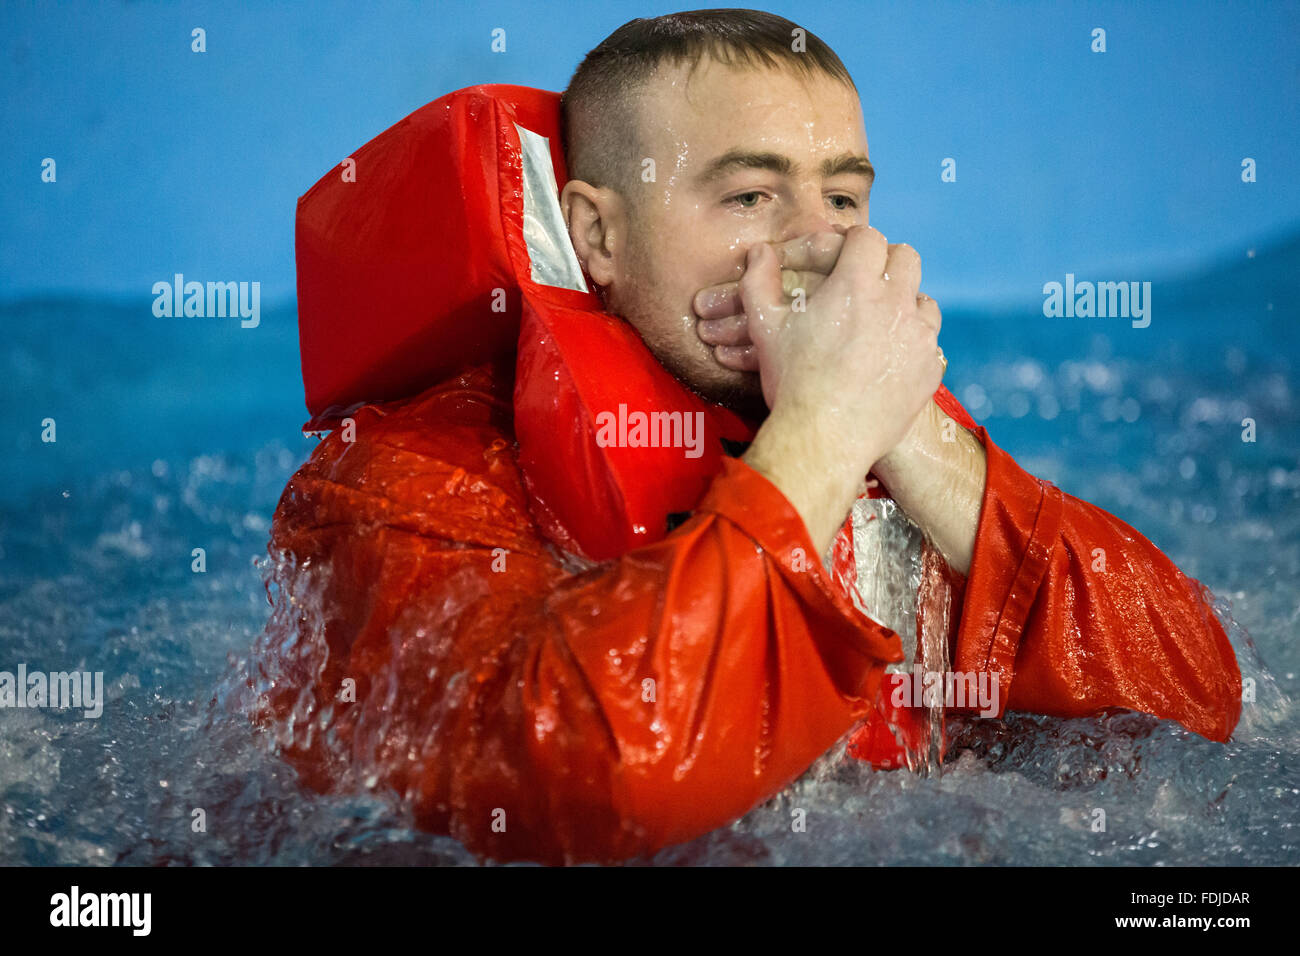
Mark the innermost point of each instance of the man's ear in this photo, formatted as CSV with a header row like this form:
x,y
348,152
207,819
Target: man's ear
x,y
596,219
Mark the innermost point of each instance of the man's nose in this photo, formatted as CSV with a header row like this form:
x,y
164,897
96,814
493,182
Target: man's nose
x,y
809,215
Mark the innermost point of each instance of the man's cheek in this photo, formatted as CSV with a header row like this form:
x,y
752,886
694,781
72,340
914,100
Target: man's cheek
x,y
723,260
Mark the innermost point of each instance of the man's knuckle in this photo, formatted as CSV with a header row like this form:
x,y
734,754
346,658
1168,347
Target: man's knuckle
x,y
906,256
825,244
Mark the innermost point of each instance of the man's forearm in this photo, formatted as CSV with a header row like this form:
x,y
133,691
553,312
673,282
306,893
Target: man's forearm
x,y
939,483
820,482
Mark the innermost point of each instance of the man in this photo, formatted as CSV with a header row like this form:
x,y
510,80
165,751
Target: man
x,y
538,708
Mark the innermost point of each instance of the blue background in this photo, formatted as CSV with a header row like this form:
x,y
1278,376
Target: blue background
x,y
1125,163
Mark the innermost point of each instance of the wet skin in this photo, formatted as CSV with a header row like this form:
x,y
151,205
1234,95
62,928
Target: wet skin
x,y
690,228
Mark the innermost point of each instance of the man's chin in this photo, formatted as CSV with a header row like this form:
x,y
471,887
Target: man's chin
x,y
700,371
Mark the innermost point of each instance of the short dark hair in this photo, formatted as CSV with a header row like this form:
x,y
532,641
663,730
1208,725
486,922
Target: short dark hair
x,y
598,108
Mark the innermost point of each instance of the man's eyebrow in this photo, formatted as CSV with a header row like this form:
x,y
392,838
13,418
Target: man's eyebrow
x,y
849,163
852,163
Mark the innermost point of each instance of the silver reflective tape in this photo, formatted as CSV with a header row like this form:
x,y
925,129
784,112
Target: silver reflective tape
x,y
550,252
887,549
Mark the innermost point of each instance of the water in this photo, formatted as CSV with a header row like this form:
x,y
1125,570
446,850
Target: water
x,y
180,434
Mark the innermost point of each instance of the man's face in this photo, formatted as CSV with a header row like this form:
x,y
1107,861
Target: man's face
x,y
798,151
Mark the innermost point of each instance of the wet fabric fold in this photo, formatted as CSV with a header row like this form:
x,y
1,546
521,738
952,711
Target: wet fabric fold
x,y
534,711
1076,612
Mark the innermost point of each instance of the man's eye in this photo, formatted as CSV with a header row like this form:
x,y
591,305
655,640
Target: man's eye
x,y
743,205
751,199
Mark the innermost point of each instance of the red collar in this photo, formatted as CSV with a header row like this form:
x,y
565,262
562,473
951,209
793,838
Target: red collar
x,y
610,443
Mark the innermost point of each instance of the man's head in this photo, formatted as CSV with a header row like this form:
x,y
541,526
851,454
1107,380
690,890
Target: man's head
x,y
689,138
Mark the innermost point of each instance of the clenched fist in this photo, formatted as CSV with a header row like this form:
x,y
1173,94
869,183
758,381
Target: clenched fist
x,y
837,331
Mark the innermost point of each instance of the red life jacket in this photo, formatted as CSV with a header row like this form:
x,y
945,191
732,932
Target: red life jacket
x,y
441,246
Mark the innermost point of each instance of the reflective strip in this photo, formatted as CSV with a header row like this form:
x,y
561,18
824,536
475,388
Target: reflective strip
x,y
887,549
550,252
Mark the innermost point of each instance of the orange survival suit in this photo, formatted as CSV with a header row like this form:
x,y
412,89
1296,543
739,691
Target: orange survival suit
x,y
564,649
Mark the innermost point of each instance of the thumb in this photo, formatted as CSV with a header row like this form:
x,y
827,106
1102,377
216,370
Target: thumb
x,y
761,292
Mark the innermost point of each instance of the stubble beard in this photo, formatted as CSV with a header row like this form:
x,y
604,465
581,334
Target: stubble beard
x,y
741,392
674,348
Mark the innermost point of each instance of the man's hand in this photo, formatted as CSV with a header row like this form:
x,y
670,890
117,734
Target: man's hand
x,y
890,336
805,262
844,379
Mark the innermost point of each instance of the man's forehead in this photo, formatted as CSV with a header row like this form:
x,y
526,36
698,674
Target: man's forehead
x,y
716,102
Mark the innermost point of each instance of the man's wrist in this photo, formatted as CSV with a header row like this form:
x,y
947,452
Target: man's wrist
x,y
792,443
911,447
815,479
938,476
